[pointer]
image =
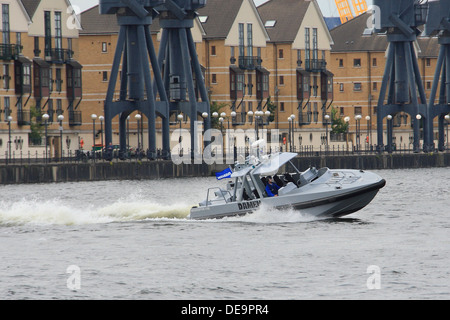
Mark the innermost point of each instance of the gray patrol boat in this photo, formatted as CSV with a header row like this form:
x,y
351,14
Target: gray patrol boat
x,y
323,193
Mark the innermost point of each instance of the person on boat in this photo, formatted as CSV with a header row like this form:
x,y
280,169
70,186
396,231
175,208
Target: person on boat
x,y
271,188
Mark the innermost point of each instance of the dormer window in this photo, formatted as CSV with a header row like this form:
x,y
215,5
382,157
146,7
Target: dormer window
x,y
270,23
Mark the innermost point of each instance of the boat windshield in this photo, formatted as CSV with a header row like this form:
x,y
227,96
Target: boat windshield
x,y
273,163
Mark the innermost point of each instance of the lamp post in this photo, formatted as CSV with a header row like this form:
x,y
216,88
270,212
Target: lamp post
x,y
9,139
447,117
180,119
45,117
347,121
369,133
289,135
60,119
258,118
93,117
358,131
138,120
327,117
293,131
128,133
250,114
233,114
417,148
389,132
221,119
101,118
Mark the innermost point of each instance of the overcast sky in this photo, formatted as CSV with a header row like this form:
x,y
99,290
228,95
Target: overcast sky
x,y
328,7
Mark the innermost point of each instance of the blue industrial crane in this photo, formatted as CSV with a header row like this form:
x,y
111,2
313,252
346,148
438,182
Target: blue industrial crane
x,y
175,62
438,24
400,20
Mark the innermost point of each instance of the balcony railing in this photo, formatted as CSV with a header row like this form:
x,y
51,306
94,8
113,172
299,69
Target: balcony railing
x,y
304,118
58,55
75,118
239,119
9,51
249,63
315,65
23,118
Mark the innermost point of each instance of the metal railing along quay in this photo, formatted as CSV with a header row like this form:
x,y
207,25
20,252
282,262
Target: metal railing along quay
x,y
82,156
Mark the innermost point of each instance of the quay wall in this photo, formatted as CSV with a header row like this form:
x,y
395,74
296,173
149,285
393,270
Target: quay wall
x,y
147,170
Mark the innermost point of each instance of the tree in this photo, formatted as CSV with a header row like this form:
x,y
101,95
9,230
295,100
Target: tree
x,y
35,126
338,125
271,107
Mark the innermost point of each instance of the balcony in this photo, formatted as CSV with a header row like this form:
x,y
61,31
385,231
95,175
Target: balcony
x,y
239,119
315,65
23,118
9,51
304,118
59,56
249,63
75,118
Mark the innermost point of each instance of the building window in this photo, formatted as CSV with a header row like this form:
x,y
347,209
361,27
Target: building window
x,y
428,85
357,63
59,110
48,33
50,110
357,86
236,83
315,45
7,108
105,75
69,45
281,80
282,106
249,40
428,62
241,40
341,111
316,112
50,79
307,45
5,24
240,82
280,54
77,77
358,111
6,76
341,87
104,47
341,63
19,39
250,85
58,32
213,50
214,78
374,62
27,75
315,86
36,51
375,86
58,80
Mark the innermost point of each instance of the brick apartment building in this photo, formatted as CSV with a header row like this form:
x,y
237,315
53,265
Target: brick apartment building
x,y
248,54
39,70
358,59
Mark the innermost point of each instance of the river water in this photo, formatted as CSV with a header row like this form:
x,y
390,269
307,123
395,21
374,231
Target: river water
x,y
131,240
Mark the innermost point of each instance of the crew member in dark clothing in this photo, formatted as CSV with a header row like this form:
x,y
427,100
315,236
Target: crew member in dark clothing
x,y
271,188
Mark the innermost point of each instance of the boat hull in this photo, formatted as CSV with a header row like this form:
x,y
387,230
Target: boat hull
x,y
322,205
